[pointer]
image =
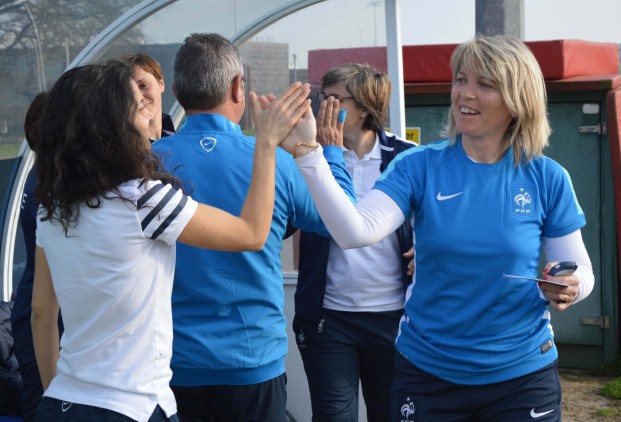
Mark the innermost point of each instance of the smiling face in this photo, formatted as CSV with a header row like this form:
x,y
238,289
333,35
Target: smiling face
x,y
151,89
478,108
143,115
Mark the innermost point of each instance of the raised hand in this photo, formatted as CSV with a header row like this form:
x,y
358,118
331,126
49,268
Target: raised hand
x,y
329,126
274,117
302,138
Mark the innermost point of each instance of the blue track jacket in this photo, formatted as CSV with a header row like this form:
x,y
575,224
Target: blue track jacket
x,y
228,308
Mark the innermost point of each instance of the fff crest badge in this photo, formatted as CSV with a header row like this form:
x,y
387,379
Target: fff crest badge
x,y
523,200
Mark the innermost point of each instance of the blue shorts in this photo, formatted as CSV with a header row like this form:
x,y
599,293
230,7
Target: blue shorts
x,y
419,396
61,411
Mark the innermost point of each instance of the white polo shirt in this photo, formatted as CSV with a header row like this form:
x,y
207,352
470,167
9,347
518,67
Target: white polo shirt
x,y
365,279
113,276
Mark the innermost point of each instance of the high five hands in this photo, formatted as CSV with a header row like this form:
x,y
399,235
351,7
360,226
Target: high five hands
x,y
306,132
276,118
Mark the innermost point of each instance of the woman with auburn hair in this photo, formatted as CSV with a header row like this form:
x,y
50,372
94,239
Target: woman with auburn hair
x,y
474,345
148,74
108,223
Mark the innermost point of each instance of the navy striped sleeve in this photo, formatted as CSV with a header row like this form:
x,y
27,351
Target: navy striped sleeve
x,y
164,211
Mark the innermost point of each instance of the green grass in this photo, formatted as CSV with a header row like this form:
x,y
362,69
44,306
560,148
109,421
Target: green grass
x,y
608,413
613,389
9,150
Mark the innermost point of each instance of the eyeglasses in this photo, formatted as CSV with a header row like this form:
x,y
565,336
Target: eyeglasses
x,y
323,96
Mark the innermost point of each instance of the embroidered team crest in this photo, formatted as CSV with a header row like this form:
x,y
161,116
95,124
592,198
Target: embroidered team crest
x,y
208,143
301,339
407,410
522,200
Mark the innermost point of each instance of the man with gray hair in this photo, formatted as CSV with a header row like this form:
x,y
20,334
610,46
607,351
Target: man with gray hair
x,y
229,326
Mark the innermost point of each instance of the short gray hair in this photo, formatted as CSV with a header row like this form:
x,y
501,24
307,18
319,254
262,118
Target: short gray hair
x,y
205,66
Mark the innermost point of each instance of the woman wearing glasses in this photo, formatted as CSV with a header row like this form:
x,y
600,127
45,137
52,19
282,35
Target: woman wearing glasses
x,y
348,302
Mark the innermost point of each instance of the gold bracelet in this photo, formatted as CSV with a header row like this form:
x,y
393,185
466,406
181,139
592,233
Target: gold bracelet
x,y
303,144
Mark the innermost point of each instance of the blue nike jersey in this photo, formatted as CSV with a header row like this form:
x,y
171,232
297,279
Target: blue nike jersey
x,y
463,321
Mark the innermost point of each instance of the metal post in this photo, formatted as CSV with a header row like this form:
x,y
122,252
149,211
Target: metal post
x,y
38,51
394,51
500,17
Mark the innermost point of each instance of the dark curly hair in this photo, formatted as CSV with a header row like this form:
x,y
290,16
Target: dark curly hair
x,y
31,122
88,143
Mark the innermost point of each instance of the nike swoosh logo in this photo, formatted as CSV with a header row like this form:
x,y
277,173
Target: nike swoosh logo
x,y
536,415
65,406
441,197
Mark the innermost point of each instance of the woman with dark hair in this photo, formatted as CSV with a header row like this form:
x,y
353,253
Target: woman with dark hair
x,y
109,220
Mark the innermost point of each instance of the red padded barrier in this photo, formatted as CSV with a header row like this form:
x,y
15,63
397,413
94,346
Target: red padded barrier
x,y
562,59
559,59
320,61
427,63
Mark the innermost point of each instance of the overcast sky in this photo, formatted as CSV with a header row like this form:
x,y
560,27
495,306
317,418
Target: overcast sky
x,y
453,21
356,23
593,20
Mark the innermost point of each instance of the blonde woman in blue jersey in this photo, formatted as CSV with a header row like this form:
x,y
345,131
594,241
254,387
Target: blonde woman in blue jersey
x,y
474,346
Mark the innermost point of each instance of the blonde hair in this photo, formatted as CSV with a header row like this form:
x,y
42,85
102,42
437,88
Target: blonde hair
x,y
517,75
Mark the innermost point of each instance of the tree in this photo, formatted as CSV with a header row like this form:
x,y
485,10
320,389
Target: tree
x,y
38,39
59,22
46,34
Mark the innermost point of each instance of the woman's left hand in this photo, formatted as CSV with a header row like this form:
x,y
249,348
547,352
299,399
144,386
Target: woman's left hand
x,y
560,297
329,129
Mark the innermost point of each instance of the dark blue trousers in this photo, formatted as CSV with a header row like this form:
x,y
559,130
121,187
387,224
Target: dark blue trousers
x,y
61,411
345,350
32,390
421,397
263,402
